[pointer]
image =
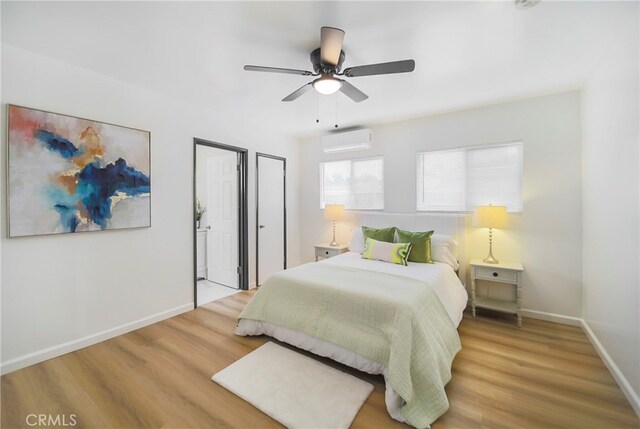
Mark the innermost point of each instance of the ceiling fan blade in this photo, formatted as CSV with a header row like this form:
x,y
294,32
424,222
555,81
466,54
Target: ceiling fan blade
x,y
382,68
331,45
352,92
277,70
298,92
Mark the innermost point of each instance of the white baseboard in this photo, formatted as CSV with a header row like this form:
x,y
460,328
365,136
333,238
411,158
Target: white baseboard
x,y
552,317
55,351
622,381
617,375
61,349
252,285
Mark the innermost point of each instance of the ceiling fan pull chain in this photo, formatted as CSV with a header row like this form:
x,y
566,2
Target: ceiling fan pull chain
x,y
317,110
336,126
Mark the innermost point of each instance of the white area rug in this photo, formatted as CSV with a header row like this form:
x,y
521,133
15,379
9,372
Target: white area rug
x,y
296,390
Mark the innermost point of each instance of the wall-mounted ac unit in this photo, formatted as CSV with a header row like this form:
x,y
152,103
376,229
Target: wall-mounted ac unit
x,y
347,140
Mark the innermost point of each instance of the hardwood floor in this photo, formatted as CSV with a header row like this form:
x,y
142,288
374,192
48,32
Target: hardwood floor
x,y
544,375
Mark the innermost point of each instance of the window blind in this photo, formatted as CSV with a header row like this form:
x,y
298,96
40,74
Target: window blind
x,y
458,180
358,184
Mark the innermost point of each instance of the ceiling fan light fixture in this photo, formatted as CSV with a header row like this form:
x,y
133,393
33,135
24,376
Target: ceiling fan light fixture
x,y
327,64
327,85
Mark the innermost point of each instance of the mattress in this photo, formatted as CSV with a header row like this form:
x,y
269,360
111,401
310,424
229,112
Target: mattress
x,y
446,285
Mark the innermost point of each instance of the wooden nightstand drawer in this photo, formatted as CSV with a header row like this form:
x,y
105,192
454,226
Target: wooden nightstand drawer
x,y
496,274
502,272
326,251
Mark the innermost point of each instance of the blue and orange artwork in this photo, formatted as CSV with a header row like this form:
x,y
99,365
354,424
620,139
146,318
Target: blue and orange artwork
x,y
68,174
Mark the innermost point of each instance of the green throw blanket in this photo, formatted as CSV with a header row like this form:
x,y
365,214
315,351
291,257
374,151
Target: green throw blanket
x,y
398,322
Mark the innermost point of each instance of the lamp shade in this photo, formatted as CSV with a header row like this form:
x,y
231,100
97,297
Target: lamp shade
x,y
490,216
333,211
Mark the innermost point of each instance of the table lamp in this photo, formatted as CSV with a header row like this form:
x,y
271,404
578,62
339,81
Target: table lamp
x,y
333,212
490,217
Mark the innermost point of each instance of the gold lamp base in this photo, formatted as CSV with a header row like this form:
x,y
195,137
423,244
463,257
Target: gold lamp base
x,y
490,259
334,243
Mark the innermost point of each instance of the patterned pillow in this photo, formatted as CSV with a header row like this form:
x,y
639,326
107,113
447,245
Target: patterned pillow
x,y
396,253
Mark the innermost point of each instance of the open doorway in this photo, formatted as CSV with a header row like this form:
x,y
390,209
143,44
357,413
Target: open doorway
x,y
220,220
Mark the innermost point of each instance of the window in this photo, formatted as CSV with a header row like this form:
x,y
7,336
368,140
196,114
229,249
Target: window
x,y
358,184
458,180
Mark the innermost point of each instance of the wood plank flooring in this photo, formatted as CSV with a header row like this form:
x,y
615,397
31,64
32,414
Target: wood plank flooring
x,y
544,375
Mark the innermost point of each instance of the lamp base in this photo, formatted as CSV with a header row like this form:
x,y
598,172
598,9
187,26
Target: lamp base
x,y
490,260
334,243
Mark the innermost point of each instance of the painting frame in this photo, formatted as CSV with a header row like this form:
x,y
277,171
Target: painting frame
x,y
133,180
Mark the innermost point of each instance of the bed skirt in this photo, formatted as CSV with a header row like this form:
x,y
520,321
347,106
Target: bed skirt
x,y
323,348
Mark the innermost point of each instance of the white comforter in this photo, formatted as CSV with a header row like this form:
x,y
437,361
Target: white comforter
x,y
441,276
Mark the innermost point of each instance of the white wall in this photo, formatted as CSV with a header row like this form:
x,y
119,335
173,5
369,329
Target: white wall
x,y
611,235
63,288
546,237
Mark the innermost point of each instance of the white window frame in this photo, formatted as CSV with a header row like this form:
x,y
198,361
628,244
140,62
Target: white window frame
x,y
420,175
351,161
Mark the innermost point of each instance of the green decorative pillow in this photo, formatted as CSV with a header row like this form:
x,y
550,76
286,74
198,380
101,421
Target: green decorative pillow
x,y
396,253
420,244
380,234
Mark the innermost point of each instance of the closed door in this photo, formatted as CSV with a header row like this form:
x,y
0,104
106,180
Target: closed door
x,y
222,219
270,188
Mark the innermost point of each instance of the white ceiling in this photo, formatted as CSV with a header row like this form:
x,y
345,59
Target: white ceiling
x,y
466,53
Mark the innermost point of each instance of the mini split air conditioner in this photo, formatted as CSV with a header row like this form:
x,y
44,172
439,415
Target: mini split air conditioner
x,y
347,140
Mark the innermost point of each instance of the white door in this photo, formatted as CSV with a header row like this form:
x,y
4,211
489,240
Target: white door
x,y
222,219
271,217
201,252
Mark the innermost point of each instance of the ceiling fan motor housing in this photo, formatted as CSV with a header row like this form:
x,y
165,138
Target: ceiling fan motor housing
x,y
323,68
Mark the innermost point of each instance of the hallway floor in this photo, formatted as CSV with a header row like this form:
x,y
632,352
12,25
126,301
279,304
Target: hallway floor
x,y
210,291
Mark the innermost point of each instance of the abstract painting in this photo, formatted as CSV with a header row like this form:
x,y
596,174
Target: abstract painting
x,y
68,174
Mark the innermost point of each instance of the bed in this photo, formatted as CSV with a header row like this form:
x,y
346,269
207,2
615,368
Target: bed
x,y
377,317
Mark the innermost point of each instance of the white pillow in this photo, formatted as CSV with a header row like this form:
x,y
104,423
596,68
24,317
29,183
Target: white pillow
x,y
357,240
444,249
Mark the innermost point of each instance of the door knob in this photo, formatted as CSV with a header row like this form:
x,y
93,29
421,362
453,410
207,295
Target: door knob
x,y
261,226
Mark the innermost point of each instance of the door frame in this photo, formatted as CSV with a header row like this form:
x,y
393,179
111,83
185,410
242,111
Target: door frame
x,y
243,229
284,200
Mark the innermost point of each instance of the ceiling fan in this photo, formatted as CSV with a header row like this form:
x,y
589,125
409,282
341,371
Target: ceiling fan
x,y
327,61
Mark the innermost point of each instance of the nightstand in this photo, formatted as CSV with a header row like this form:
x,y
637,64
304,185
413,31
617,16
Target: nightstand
x,y
503,272
326,251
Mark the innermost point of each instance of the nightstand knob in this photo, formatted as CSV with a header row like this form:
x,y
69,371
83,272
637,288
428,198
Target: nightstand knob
x,y
326,252
495,274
